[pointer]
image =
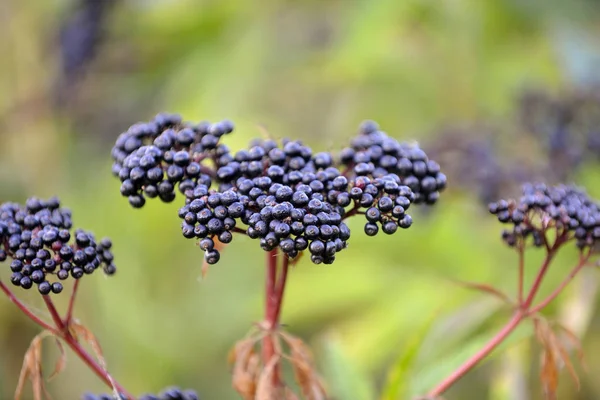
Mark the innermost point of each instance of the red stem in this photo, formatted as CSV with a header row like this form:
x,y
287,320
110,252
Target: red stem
x,y
274,296
484,352
280,287
519,315
538,280
100,371
521,274
25,310
582,261
61,331
69,316
55,316
73,343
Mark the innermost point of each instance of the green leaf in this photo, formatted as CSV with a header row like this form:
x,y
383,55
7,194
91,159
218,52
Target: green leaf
x,y
398,376
344,380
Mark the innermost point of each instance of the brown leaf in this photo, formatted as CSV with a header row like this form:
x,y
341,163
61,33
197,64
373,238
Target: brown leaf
x,y
78,330
244,360
485,288
265,390
575,342
304,372
32,368
549,371
560,353
554,353
61,363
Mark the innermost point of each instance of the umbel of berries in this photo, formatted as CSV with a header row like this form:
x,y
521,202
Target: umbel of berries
x,y
565,210
44,249
282,194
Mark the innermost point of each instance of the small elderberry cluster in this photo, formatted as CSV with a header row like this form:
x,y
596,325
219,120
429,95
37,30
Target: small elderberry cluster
x,y
564,208
374,154
152,158
172,393
284,195
37,238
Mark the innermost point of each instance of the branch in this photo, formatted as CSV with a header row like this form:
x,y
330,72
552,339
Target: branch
x,y
25,310
479,356
538,280
582,262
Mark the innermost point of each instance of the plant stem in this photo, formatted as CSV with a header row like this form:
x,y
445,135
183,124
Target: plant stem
x,y
69,316
55,316
268,348
538,280
61,331
280,287
521,274
24,309
514,322
582,261
99,370
480,355
274,296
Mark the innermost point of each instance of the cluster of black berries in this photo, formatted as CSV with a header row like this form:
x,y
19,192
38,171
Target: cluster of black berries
x,y
565,209
152,158
374,154
282,194
37,238
172,393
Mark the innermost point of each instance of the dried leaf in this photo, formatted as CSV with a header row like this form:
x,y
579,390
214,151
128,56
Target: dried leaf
x,y
32,368
244,369
575,342
306,377
549,371
61,363
554,352
485,288
265,390
79,330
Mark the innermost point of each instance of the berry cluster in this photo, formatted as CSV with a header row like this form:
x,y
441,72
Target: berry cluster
x,y
172,393
152,158
374,154
38,239
566,209
284,195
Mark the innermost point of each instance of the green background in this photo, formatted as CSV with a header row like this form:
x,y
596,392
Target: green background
x,y
311,70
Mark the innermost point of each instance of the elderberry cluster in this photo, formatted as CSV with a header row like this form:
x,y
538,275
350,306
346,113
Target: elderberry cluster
x,y
152,158
37,238
374,154
282,194
172,393
564,208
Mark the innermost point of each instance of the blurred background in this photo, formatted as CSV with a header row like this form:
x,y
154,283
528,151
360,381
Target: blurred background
x,y
498,91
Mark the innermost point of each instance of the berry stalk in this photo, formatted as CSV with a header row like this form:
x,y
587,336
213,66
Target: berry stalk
x,y
61,330
24,309
525,310
479,356
275,287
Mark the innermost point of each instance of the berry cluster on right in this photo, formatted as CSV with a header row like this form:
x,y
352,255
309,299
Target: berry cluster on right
x,y
171,393
566,209
281,193
37,238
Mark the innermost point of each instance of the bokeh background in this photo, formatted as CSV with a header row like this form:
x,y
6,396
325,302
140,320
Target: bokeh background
x,y
498,91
